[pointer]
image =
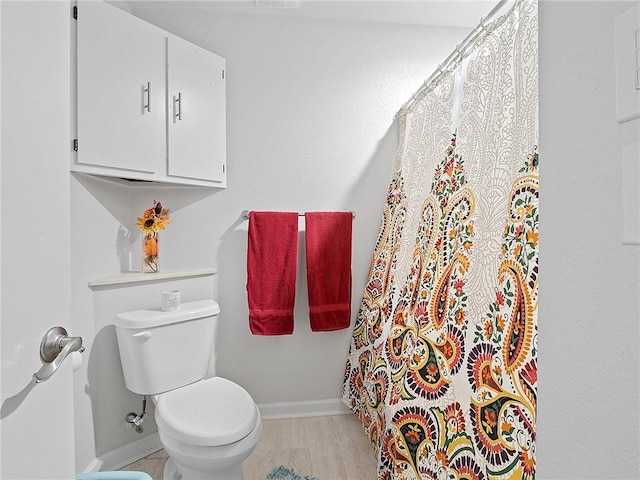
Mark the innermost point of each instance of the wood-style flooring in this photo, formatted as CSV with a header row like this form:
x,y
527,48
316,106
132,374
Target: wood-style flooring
x,y
328,448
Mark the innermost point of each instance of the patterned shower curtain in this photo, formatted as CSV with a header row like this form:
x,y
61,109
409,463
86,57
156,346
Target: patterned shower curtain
x,y
442,363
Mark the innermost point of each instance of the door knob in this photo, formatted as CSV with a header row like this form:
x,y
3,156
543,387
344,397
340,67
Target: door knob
x,y
56,345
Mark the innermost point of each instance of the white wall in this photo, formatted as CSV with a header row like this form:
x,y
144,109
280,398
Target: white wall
x,y
0,209
589,290
310,115
310,127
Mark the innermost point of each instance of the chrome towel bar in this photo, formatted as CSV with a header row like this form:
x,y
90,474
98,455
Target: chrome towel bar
x,y
245,214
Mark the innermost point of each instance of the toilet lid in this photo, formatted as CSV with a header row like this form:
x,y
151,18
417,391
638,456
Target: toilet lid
x,y
210,413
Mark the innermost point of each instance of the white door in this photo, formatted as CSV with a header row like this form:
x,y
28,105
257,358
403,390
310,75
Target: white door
x,y
36,422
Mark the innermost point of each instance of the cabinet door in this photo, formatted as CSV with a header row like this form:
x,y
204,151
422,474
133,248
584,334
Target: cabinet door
x,y
197,112
121,115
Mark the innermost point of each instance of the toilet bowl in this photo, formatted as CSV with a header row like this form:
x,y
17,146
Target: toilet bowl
x,y
207,426
208,429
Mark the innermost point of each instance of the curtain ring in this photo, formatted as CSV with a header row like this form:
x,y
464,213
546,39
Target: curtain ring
x,y
484,27
459,51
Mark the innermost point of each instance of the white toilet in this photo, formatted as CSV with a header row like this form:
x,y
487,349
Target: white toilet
x,y
207,427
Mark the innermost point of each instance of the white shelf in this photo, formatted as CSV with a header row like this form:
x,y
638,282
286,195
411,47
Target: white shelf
x,y
139,277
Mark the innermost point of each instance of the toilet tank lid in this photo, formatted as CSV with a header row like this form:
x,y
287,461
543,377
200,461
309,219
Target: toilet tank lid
x,y
154,317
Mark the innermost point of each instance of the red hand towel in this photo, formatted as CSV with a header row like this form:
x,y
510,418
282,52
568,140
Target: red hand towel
x,y
272,262
328,249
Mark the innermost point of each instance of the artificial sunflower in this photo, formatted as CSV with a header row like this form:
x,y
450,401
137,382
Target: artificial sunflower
x,y
147,225
153,219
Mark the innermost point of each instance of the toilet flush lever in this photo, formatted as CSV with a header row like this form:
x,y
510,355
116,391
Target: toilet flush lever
x,y
56,345
142,335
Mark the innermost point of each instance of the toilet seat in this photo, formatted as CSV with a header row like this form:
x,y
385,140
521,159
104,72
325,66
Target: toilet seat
x,y
210,412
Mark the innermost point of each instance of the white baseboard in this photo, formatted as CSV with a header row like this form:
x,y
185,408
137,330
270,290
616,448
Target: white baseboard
x,y
311,408
95,465
125,455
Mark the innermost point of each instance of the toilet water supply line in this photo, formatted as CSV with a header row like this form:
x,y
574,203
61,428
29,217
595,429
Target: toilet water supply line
x,y
135,420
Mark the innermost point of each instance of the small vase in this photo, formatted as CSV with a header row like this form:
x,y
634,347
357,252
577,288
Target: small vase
x,y
150,253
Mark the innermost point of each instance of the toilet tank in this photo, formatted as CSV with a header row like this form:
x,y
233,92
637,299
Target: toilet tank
x,y
161,351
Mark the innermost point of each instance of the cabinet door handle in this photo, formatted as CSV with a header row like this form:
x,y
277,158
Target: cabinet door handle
x,y
177,106
147,90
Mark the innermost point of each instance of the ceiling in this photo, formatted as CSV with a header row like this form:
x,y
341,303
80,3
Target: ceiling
x,y
455,13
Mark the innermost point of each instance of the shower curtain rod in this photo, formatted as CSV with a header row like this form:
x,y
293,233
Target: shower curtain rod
x,y
459,52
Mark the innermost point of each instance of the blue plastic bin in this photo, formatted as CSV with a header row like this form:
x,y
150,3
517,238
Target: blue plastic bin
x,y
120,475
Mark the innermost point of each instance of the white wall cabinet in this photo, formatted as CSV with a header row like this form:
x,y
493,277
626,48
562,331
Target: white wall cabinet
x,y
150,106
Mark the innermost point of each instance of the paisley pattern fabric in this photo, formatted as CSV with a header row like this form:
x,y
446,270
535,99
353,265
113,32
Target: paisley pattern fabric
x,y
442,363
